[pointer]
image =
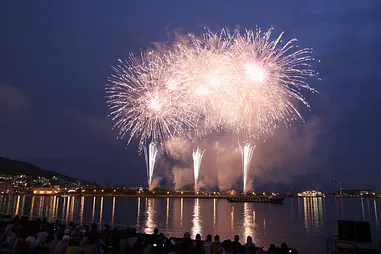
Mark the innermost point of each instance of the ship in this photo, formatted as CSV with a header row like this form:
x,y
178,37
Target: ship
x,y
257,199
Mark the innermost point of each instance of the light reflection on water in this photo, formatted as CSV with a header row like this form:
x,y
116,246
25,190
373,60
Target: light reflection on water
x,y
214,214
167,213
17,205
113,212
138,214
81,211
181,211
299,222
375,213
101,212
232,219
313,213
93,213
248,223
150,216
196,221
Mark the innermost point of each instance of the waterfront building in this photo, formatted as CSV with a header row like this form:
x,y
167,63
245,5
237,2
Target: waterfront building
x,y
313,193
45,191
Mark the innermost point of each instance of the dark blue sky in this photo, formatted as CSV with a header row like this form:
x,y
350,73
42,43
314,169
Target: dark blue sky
x,y
55,58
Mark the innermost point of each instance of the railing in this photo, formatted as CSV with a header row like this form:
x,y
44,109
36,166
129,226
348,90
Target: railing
x,y
336,246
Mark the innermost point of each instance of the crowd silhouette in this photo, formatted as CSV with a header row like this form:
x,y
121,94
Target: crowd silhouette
x,y
21,235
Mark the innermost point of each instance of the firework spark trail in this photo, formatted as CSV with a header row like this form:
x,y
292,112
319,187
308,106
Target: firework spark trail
x,y
197,158
150,157
246,153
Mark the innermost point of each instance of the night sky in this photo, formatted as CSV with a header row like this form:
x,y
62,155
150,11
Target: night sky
x,y
56,57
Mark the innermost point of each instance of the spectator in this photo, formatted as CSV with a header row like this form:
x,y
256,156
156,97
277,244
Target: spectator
x,y
216,245
198,248
62,245
132,239
31,241
73,248
227,247
284,249
237,247
250,246
272,249
208,245
91,247
186,244
84,240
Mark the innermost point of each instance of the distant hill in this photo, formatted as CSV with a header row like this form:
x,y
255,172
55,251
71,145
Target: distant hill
x,y
13,167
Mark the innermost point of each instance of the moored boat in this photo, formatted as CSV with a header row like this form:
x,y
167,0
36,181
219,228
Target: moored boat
x,y
257,199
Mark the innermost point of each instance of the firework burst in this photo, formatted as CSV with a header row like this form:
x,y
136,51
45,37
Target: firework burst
x,y
245,83
265,82
144,102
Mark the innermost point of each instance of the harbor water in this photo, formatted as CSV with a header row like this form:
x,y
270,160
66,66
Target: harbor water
x,y
303,223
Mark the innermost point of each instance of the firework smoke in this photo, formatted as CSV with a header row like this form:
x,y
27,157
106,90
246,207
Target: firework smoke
x,y
246,153
197,158
150,157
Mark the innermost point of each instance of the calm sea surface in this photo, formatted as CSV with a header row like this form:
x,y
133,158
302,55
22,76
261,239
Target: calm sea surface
x,y
303,223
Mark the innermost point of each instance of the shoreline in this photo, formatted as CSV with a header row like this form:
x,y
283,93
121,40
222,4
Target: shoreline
x,y
164,196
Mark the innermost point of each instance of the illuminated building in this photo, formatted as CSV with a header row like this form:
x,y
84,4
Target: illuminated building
x,y
312,193
45,191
